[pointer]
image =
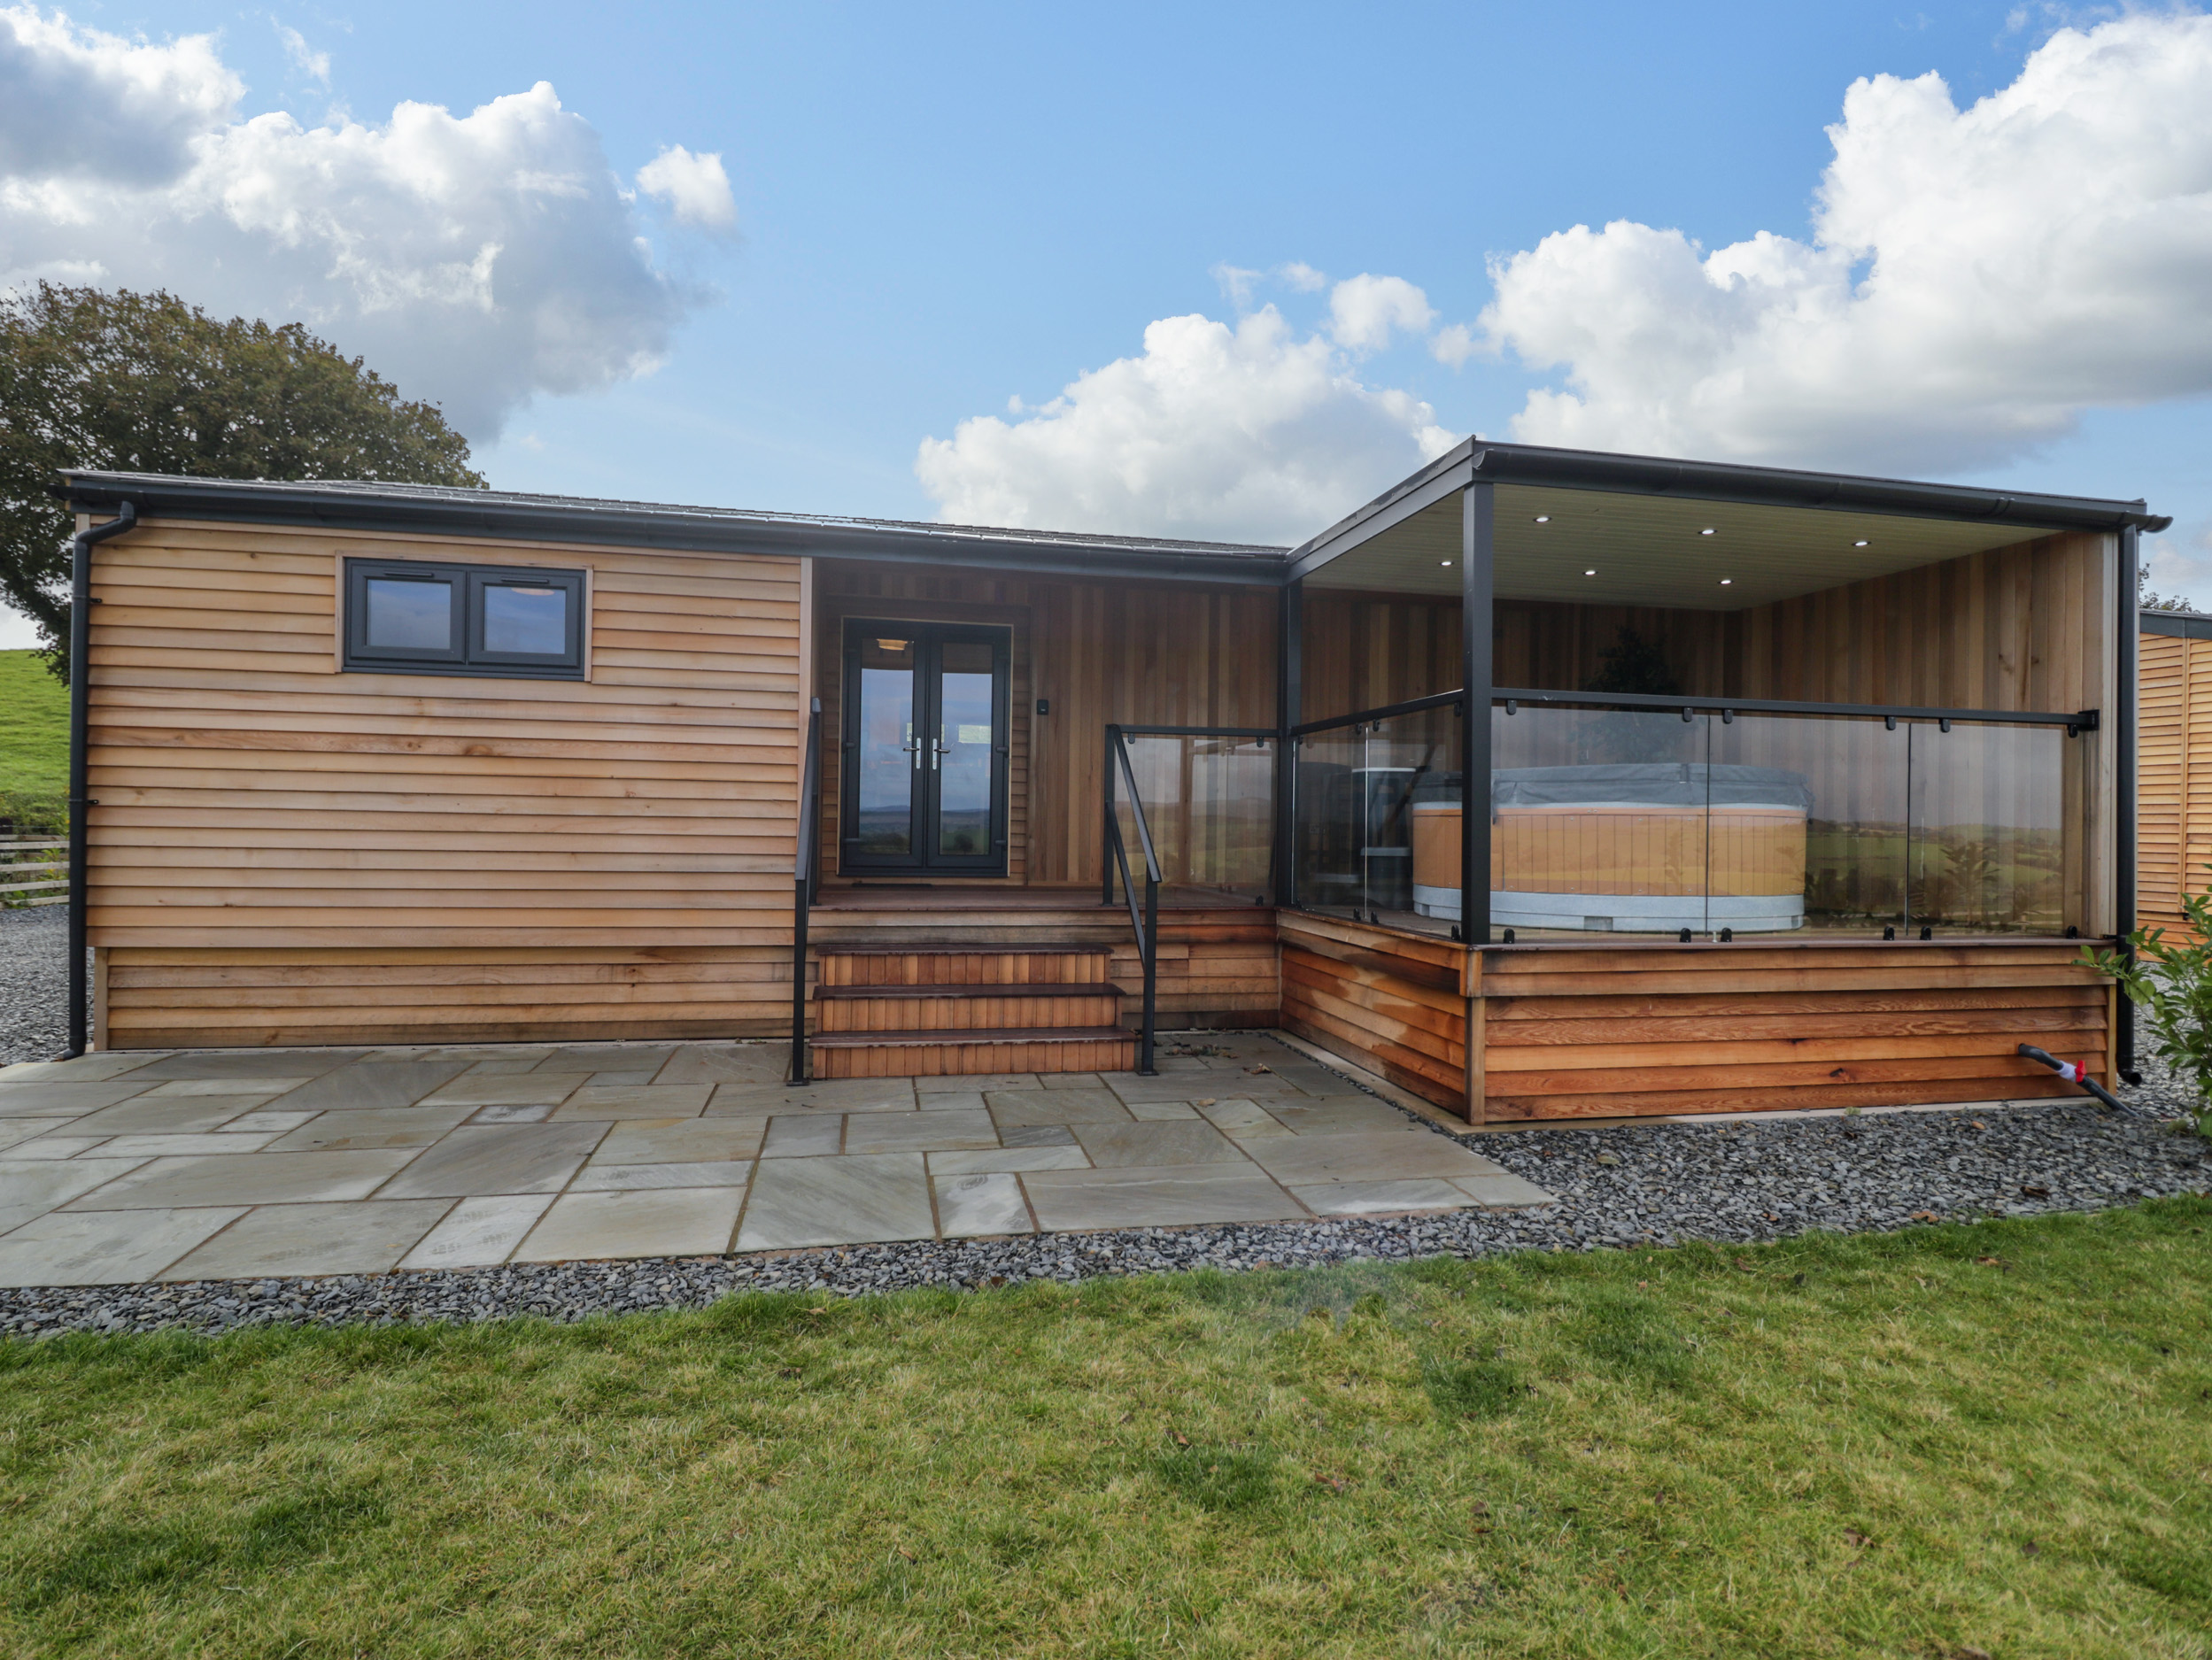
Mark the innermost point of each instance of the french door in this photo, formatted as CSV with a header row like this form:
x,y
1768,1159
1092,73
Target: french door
x,y
923,784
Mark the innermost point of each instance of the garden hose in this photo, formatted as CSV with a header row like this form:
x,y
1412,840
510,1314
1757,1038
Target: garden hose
x,y
2072,1073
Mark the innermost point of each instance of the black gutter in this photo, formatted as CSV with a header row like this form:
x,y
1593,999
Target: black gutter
x,y
690,530
80,604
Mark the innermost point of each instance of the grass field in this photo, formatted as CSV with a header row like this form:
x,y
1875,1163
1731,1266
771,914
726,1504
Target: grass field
x,y
1986,1440
34,740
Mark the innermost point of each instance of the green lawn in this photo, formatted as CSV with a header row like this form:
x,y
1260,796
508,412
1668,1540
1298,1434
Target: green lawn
x,y
1992,1439
34,741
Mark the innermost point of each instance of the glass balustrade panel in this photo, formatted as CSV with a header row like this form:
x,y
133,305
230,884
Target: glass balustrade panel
x,y
1994,841
1808,824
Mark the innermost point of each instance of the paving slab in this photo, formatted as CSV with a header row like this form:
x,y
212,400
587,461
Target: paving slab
x,y
1067,1158
681,1140
703,1064
222,1086
479,1232
647,1058
1380,1198
1236,1117
949,1101
1503,1191
974,1206
247,1178
105,1248
369,1238
374,1127
1357,1116
519,1089
1014,1109
610,1101
275,1123
85,1069
804,1136
1160,1111
1071,1080
504,1065
166,1114
1036,1136
512,1113
369,1085
39,1142
1112,1147
30,1187
42,1099
1382,1156
250,1063
1157,1197
837,1095
919,1132
582,1227
980,1082
495,1159
874,1197
159,1147
601,1177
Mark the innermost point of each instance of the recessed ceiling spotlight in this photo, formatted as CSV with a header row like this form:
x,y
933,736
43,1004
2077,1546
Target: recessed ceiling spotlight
x,y
1725,581
1590,573
1446,563
1862,543
1543,518
1706,531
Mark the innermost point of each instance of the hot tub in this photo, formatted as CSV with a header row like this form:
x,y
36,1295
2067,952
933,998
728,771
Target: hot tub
x,y
1648,847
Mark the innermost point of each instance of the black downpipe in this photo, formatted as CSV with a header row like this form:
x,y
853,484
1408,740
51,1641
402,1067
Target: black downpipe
x,y
80,603
805,884
2124,692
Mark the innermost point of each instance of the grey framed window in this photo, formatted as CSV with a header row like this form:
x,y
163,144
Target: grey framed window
x,y
425,617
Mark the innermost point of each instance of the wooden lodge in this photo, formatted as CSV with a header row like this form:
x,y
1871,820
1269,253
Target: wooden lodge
x,y
1777,790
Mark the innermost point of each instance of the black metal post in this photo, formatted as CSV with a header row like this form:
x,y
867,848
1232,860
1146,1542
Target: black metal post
x,y
803,889
1289,702
1151,972
1478,535
2123,781
1111,828
81,803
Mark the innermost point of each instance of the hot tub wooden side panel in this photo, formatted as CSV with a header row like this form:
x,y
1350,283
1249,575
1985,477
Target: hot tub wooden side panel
x,y
1618,1033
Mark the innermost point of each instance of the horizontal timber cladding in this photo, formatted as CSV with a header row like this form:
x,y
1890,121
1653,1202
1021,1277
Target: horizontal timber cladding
x,y
165,997
252,798
1388,1001
1126,652
1619,1032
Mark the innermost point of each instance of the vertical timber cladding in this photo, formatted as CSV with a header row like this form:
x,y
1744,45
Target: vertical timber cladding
x,y
283,854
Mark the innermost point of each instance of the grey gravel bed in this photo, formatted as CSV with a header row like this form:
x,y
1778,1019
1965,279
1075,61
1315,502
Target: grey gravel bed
x,y
34,983
1649,1184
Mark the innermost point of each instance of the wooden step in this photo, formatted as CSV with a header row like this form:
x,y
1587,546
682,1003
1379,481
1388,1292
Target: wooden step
x,y
883,1008
956,1053
1041,965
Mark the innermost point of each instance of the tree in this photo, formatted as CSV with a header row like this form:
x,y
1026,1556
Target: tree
x,y
2150,601
146,383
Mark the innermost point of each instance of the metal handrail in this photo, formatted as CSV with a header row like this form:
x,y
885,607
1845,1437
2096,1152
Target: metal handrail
x,y
805,882
2077,720
1147,925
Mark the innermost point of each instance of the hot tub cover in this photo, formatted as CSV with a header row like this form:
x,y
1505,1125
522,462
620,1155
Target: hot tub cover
x,y
1691,783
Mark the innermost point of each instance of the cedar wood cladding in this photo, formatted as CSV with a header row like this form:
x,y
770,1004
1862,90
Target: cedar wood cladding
x,y
2174,778
283,853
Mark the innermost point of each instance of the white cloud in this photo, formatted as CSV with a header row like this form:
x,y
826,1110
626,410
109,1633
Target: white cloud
x,y
1303,277
1975,280
314,65
1365,310
476,260
694,185
1250,433
1236,283
1454,344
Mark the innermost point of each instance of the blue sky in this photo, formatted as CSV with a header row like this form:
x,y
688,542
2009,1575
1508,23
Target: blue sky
x,y
938,210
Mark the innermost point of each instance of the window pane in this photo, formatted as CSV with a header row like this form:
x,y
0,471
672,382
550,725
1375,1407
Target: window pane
x,y
406,615
518,618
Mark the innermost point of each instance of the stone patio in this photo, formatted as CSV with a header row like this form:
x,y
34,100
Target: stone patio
x,y
244,1165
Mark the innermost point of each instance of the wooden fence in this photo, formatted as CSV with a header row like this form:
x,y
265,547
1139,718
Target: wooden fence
x,y
28,878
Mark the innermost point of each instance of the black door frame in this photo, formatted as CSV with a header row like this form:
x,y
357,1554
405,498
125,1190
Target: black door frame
x,y
928,638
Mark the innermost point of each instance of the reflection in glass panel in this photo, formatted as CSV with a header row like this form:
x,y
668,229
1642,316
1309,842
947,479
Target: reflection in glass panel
x,y
967,712
409,614
888,753
1210,802
1845,853
1988,850
1327,839
1599,821
525,619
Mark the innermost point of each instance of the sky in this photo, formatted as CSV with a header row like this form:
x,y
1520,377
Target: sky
x,y
1215,271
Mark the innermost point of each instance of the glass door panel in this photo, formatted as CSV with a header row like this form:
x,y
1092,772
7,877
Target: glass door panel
x,y
886,757
966,746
